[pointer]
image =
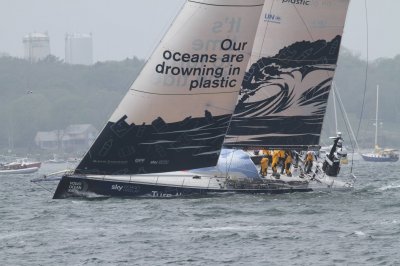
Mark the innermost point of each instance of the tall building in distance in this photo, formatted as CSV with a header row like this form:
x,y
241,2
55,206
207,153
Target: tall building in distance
x,y
78,49
36,46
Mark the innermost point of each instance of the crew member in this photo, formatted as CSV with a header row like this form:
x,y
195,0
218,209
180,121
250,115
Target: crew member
x,y
288,163
282,155
268,154
275,161
309,161
264,165
296,161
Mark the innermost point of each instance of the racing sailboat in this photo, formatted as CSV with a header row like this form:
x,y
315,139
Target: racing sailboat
x,y
177,114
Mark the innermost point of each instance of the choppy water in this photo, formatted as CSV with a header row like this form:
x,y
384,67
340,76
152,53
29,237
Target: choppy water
x,y
352,228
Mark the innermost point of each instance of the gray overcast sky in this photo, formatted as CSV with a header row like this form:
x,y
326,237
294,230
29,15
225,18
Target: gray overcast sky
x,y
126,28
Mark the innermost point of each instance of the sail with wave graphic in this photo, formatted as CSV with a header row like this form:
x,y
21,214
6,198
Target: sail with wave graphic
x,y
285,90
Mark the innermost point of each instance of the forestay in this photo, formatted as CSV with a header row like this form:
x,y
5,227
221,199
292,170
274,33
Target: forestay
x,y
176,114
284,94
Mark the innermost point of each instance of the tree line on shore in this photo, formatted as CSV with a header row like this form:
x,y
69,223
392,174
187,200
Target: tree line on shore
x,y
50,95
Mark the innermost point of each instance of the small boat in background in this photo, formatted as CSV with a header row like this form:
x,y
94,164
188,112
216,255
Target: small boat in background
x,y
20,166
28,170
379,154
56,159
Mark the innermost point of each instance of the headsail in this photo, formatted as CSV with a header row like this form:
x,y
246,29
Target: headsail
x,y
284,94
176,114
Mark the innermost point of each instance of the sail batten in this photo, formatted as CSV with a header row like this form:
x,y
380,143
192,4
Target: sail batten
x,y
231,3
189,85
186,95
285,90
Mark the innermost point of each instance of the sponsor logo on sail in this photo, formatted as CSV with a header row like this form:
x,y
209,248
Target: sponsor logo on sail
x,y
268,17
297,2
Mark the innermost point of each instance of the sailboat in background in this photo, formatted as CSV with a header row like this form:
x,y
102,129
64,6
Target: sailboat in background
x,y
379,154
19,166
177,114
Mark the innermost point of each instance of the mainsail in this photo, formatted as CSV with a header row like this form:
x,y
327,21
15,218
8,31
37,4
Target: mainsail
x,y
176,114
284,94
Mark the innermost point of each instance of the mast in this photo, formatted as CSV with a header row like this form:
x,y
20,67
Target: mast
x,y
334,106
346,117
376,116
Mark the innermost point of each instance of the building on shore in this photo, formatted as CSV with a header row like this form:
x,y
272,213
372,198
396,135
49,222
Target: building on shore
x,y
74,138
36,46
78,49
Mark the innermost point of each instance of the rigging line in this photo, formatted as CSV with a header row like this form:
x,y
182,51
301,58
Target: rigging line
x,y
347,120
366,70
227,131
346,125
304,22
311,36
298,60
51,192
258,56
230,163
327,72
265,32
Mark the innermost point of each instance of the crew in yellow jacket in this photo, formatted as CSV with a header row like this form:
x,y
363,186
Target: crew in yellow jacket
x,y
309,161
281,154
275,161
288,163
268,154
264,165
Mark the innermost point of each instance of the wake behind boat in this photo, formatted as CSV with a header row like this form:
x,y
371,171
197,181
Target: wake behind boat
x,y
206,87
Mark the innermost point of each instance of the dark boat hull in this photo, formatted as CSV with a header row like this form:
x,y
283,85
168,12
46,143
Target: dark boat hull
x,y
81,186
